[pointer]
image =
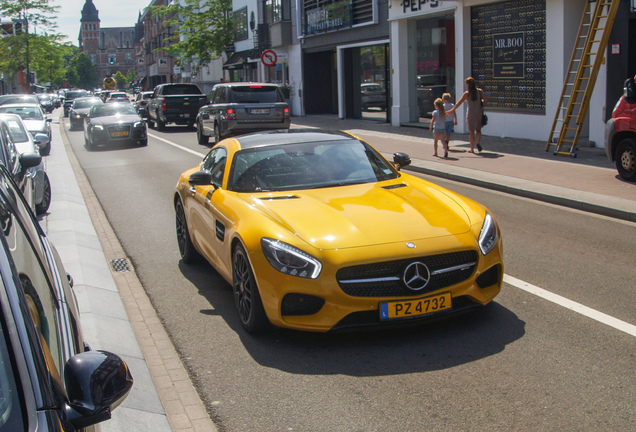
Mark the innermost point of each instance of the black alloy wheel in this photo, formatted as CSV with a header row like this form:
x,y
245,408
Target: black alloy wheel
x,y
43,206
247,299
188,253
201,137
626,159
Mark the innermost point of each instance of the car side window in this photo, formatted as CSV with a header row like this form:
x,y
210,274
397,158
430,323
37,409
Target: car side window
x,y
28,258
219,96
214,162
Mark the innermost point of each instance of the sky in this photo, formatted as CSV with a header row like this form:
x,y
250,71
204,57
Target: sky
x,y
112,13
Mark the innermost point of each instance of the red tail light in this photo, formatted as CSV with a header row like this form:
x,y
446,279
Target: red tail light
x,y
230,114
286,113
164,107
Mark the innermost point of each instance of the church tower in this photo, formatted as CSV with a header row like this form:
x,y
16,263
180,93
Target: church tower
x,y
89,29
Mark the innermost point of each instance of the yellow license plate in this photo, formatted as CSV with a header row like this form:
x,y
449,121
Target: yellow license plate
x,y
120,134
415,308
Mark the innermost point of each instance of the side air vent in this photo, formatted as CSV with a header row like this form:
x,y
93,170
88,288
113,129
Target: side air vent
x,y
395,186
272,198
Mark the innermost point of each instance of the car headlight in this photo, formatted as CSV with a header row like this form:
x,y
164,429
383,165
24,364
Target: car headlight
x,y
98,128
139,124
488,235
290,260
77,116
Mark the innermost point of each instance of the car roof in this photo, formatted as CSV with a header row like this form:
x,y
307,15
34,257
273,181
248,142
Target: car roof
x,y
26,104
290,136
248,84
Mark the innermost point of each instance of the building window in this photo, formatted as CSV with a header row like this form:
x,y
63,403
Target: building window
x,y
322,16
240,24
277,11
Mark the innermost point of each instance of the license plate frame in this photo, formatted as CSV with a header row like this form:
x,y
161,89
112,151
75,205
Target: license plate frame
x,y
415,308
120,134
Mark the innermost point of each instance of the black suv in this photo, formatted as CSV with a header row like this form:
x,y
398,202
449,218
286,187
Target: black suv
x,y
50,380
70,96
237,108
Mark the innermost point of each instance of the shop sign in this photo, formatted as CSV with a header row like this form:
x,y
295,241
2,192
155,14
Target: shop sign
x,y
399,9
162,65
328,18
508,49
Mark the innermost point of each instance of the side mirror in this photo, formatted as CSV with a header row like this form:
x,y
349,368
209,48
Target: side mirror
x,y
96,383
200,178
41,139
49,120
29,160
400,160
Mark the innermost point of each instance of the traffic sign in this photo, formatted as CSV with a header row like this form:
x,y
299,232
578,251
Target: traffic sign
x,y
269,57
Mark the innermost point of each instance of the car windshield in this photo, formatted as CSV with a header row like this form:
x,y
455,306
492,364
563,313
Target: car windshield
x,y
18,99
255,94
11,415
27,113
75,94
17,130
309,165
85,103
112,110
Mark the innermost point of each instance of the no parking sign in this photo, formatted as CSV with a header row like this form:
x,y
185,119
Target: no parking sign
x,y
269,57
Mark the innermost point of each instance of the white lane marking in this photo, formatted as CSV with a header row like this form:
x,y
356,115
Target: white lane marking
x,y
177,145
572,305
518,283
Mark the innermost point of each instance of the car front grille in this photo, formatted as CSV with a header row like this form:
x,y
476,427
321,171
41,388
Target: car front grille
x,y
386,279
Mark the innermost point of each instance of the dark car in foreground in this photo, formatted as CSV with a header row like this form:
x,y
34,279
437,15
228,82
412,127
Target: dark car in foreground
x,y
237,108
51,381
79,111
114,122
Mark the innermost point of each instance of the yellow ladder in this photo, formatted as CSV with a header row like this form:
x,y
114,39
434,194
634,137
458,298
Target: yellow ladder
x,y
586,60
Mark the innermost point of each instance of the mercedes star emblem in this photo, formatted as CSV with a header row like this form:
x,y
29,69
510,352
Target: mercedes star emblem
x,y
416,276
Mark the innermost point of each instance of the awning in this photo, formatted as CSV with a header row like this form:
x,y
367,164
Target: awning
x,y
239,60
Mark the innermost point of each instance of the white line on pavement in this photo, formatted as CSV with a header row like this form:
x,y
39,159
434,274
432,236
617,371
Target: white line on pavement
x,y
177,145
518,283
572,305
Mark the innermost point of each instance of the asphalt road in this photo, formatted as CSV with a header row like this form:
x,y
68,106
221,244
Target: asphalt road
x,y
526,363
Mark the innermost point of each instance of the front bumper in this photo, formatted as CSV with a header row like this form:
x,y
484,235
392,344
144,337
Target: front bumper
x,y
118,133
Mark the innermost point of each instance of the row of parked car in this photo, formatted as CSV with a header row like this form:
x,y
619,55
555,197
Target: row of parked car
x,y
50,378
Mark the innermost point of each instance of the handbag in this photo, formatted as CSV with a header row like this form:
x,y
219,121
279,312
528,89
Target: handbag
x,y
484,117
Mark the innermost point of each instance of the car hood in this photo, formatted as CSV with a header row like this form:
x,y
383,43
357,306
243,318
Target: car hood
x,y
35,125
112,120
82,111
368,214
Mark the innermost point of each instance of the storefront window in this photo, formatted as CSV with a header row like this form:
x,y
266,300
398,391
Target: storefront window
x,y
434,62
373,81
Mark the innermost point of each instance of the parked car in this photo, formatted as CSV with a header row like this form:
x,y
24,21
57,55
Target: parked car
x,y
174,103
373,96
620,133
35,121
316,231
141,103
27,144
237,108
19,99
79,111
46,102
70,96
114,122
51,381
18,163
117,96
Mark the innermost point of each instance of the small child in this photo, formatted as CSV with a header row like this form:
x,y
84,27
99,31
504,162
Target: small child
x,y
451,119
438,126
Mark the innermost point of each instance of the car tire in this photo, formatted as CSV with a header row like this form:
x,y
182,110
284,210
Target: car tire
x,y
161,125
247,299
217,133
626,159
201,137
88,142
143,142
189,254
43,206
151,124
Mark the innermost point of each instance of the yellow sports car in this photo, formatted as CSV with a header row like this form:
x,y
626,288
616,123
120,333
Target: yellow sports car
x,y
316,231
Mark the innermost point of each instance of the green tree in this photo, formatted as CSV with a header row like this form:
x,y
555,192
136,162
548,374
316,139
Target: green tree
x,y
28,14
48,59
121,79
206,25
83,73
131,75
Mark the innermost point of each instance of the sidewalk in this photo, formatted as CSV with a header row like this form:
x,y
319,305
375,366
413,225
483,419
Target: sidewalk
x,y
116,314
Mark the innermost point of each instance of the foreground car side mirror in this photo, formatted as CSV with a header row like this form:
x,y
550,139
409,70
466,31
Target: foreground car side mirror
x,y
41,139
29,160
96,383
400,160
200,178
